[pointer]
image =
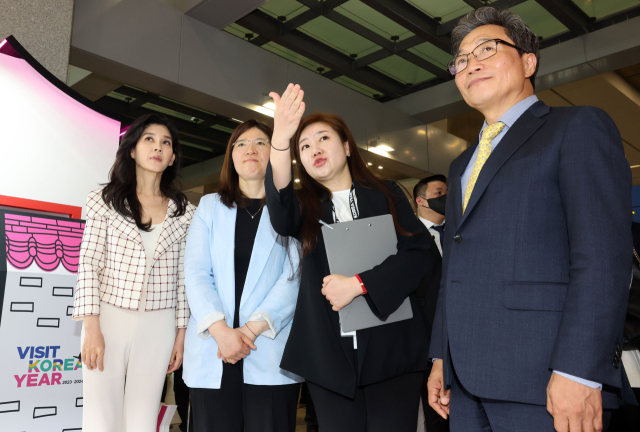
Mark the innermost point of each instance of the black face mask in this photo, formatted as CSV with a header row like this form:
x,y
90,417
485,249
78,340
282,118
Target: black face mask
x,y
438,204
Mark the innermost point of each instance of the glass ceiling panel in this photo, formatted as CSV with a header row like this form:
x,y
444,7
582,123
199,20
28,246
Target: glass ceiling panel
x,y
355,85
338,37
288,8
447,10
373,20
432,54
541,22
237,30
294,57
602,8
402,70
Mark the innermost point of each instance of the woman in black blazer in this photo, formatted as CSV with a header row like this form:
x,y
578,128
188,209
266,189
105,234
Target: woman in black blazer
x,y
371,382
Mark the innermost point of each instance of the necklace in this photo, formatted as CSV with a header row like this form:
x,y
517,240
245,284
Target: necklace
x,y
253,215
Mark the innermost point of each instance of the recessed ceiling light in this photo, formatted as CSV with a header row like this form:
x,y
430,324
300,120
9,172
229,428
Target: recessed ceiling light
x,y
380,167
267,108
234,119
369,163
294,161
297,180
385,148
265,111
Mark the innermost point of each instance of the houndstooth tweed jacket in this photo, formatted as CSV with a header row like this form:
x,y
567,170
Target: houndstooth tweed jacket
x,y
112,263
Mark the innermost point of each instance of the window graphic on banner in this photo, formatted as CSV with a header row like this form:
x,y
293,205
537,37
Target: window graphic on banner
x,y
41,374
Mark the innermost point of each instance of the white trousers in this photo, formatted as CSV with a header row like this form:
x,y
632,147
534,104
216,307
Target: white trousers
x,y
125,397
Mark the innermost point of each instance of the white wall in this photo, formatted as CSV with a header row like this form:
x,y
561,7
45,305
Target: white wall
x,y
54,149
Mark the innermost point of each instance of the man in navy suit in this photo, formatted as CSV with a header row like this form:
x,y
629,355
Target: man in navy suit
x,y
536,266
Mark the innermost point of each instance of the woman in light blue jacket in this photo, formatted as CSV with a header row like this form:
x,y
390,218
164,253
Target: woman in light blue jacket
x,y
242,285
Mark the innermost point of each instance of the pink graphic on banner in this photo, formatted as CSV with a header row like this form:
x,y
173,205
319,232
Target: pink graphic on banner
x,y
48,242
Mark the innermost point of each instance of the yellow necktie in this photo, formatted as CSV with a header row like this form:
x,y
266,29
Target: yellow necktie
x,y
484,150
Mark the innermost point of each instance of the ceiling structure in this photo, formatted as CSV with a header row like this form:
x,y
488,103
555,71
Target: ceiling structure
x,y
386,49
203,135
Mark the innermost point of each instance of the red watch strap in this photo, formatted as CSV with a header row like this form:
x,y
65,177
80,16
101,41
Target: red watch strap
x,y
364,290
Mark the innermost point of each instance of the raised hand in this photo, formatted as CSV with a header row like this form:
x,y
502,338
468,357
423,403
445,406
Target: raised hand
x,y
289,110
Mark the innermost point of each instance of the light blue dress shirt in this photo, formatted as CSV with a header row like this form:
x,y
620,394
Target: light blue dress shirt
x,y
509,118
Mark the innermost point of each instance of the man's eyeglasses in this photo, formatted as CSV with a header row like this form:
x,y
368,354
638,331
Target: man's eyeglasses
x,y
258,142
481,52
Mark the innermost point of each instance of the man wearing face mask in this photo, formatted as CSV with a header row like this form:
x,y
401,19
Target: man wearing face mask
x,y
430,197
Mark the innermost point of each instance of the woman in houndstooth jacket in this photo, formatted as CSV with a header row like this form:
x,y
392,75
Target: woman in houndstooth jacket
x,y
130,289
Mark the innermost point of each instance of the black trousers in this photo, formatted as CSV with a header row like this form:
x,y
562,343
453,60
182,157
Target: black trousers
x,y
627,417
182,400
238,407
388,406
432,420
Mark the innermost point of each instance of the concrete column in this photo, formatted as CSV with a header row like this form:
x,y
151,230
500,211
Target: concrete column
x,y
43,27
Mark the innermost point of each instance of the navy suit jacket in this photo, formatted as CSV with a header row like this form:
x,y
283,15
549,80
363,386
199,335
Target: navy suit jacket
x,y
536,272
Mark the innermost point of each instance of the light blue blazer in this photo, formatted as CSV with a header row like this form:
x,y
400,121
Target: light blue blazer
x,y
210,284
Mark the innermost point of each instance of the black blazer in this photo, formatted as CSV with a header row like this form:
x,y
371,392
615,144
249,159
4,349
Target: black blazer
x,y
536,271
429,287
315,350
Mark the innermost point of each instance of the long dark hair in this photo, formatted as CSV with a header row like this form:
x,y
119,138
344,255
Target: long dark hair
x,y
230,193
120,193
312,192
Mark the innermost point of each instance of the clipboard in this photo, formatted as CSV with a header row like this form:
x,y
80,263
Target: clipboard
x,y
356,246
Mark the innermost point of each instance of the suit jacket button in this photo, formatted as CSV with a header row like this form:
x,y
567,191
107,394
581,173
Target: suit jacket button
x,y
457,238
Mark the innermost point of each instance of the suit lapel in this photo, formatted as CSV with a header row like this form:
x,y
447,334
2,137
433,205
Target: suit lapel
x,y
126,227
262,246
224,235
455,193
173,229
515,137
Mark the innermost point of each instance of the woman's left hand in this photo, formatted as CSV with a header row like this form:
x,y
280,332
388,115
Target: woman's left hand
x,y
178,350
340,290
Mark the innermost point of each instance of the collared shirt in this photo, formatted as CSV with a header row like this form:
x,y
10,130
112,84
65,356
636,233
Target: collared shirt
x,y
508,118
435,234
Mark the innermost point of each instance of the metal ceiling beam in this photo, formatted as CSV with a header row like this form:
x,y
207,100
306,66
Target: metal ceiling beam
x,y
374,37
447,28
381,54
412,19
217,139
569,14
145,97
476,4
259,41
595,26
313,13
315,50
332,74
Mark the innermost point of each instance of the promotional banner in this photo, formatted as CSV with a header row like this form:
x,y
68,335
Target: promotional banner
x,y
41,373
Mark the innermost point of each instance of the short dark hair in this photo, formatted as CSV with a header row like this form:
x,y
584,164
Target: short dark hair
x,y
230,193
423,184
513,25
